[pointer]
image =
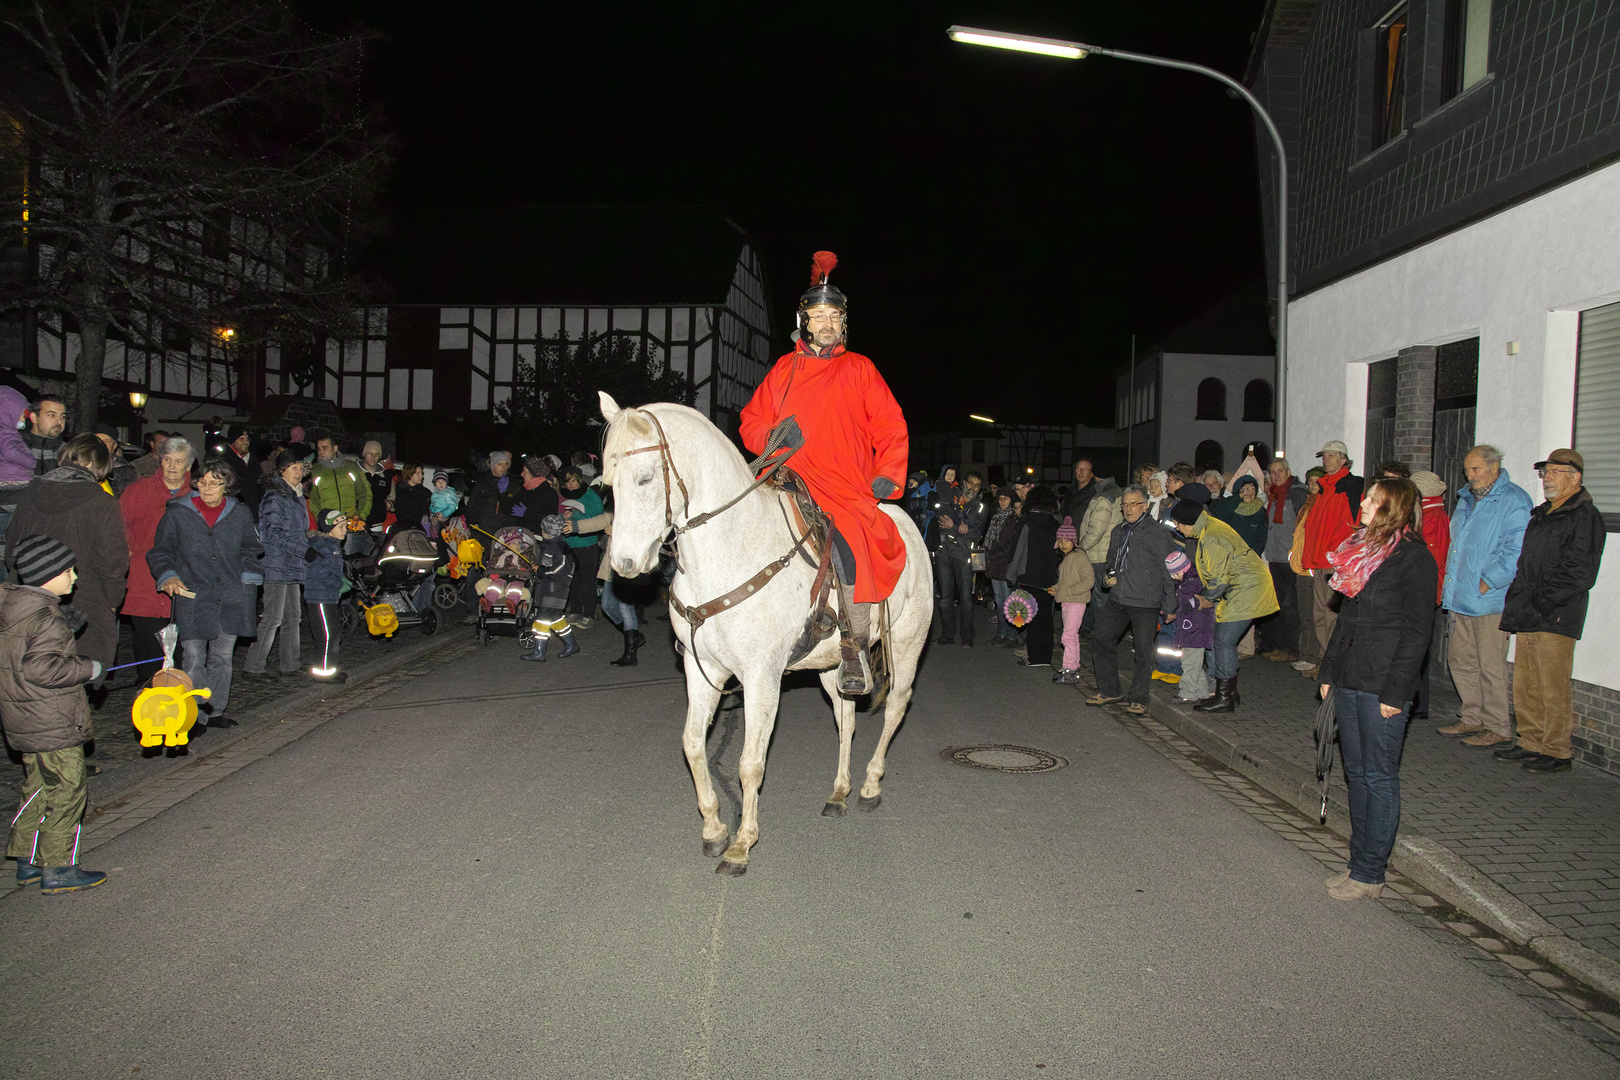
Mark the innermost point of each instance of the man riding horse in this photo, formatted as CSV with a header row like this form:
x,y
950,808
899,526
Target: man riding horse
x,y
834,407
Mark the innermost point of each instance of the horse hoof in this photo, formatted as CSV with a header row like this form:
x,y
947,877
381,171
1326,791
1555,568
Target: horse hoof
x,y
713,848
731,869
868,805
834,808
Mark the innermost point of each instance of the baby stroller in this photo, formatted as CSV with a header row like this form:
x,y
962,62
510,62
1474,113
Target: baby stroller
x,y
503,590
394,588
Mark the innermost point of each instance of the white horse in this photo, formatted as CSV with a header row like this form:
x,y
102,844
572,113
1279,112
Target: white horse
x,y
667,465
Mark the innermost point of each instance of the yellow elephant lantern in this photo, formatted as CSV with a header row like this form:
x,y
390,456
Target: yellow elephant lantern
x,y
166,710
382,619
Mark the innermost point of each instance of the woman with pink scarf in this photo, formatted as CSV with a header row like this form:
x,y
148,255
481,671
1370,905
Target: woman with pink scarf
x,y
1387,577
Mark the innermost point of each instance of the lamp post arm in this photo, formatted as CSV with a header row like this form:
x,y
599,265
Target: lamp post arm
x,y
1282,208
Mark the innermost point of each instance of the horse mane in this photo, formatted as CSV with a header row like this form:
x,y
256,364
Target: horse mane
x,y
632,426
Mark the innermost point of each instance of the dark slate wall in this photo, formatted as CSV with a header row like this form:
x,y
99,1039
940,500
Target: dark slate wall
x,y
1548,112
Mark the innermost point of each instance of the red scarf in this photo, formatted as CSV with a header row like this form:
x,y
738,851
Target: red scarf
x,y
1279,495
1354,561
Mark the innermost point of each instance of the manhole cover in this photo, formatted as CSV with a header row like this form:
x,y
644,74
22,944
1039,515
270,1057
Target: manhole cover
x,y
1000,757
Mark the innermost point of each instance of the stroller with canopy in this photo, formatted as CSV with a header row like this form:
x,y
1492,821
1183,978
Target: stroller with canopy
x,y
394,588
504,595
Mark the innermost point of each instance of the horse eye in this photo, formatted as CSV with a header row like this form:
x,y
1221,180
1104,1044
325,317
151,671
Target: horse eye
x,y
644,480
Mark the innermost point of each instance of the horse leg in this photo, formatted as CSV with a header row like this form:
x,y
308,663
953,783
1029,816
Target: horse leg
x,y
761,696
701,701
844,716
905,674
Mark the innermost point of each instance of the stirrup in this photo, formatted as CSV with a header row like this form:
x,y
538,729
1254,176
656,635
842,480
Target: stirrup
x,y
855,673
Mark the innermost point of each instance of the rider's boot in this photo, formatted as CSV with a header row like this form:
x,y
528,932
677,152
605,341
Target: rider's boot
x,y
855,672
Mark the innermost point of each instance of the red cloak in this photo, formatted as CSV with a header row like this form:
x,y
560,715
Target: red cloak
x,y
854,432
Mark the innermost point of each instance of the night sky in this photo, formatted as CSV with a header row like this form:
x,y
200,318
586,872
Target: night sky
x,y
1004,222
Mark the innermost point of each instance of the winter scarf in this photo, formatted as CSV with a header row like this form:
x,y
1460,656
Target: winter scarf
x,y
1279,497
996,523
1355,560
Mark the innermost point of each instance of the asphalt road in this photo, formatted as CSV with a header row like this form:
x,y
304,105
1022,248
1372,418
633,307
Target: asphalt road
x,y
465,879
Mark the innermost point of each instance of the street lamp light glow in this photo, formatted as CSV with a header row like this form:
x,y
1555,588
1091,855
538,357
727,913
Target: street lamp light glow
x,y
976,416
137,399
995,39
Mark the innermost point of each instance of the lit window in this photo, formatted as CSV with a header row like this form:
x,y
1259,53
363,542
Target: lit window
x,y
1390,55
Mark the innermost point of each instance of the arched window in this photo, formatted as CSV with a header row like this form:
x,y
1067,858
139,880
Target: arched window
x,y
1209,455
1212,399
1257,402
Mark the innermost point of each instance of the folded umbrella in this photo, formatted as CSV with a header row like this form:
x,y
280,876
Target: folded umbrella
x,y
1326,734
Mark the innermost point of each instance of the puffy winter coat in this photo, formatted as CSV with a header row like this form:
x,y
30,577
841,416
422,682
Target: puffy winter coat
x,y
67,504
142,505
1195,624
323,570
219,564
1486,533
1381,635
953,543
1101,517
42,703
1333,517
1234,574
1558,565
284,532
1075,579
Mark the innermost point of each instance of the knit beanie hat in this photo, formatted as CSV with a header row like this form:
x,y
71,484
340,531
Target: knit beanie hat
x,y
1428,484
552,525
1067,531
40,558
1237,485
328,519
499,456
1186,512
289,457
1193,493
1177,562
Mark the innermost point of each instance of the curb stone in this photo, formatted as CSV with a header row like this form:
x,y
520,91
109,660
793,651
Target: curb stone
x,y
1416,856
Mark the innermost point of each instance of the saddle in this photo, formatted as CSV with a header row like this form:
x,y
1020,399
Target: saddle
x,y
824,619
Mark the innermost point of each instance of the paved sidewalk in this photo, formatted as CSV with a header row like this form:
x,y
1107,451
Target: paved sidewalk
x,y
1536,857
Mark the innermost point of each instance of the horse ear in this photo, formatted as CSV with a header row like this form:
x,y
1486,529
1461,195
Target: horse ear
x,y
610,408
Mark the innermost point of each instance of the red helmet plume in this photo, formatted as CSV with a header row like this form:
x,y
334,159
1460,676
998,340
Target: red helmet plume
x,y
822,263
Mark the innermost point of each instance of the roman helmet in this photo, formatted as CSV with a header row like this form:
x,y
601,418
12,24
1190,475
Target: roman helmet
x,y
820,292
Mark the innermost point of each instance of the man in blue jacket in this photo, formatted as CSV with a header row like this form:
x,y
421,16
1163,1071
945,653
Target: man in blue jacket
x,y
1487,530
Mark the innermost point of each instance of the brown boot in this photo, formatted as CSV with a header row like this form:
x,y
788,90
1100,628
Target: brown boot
x,y
855,665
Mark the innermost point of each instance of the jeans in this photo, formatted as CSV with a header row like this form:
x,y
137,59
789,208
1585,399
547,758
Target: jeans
x,y
1223,658
1004,629
1098,599
1371,747
1112,622
620,613
955,597
208,664
283,602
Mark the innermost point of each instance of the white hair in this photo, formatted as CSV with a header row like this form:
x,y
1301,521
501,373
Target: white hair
x,y
178,444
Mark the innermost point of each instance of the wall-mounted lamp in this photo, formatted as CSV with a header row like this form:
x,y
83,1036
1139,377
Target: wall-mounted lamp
x,y
137,399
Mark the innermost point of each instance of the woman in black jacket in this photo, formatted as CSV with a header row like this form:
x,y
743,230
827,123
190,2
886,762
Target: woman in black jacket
x,y
1035,569
1388,578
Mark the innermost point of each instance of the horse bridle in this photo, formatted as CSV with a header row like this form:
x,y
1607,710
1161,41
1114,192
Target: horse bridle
x,y
770,461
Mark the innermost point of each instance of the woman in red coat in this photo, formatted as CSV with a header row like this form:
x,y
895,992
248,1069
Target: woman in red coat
x,y
853,450
142,505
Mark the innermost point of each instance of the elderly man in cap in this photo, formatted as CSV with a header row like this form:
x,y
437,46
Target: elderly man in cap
x,y
1546,608
1332,519
1487,528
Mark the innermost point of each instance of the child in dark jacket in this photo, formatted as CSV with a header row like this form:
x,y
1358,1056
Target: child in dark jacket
x,y
323,588
1195,626
552,581
46,716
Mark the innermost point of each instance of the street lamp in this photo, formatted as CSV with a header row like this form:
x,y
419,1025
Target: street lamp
x,y
137,400
1074,50
981,419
